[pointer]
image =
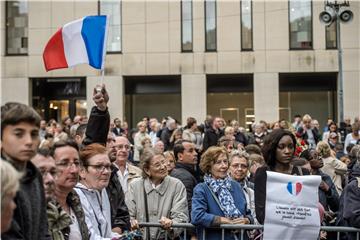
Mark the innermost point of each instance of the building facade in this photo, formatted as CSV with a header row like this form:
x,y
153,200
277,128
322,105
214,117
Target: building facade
x,y
244,60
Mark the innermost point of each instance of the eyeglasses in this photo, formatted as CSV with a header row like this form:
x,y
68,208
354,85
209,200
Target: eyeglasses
x,y
122,146
158,165
68,165
100,167
237,166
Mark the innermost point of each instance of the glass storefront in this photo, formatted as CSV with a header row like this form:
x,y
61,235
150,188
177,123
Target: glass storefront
x,y
58,98
152,96
231,97
300,91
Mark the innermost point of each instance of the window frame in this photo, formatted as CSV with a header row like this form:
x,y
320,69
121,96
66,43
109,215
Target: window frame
x,y
121,35
7,54
206,48
312,28
182,26
241,27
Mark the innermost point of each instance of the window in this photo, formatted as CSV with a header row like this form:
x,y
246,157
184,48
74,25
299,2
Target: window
x,y
210,25
300,17
16,28
246,25
331,36
112,8
186,26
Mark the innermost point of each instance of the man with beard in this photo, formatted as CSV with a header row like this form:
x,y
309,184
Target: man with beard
x,y
120,218
46,165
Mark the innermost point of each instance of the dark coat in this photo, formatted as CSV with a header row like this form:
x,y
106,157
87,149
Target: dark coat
x,y
349,212
30,218
211,138
186,174
165,137
240,138
330,199
116,132
97,127
119,212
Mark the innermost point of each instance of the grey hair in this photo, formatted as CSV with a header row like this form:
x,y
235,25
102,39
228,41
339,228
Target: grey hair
x,y
355,153
240,154
10,178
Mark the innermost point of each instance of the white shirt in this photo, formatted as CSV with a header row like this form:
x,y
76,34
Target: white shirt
x,y
75,233
123,178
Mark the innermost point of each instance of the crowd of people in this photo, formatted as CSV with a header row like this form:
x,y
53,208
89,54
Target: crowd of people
x,y
93,178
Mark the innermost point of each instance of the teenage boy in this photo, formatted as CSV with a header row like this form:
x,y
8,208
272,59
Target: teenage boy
x,y
19,142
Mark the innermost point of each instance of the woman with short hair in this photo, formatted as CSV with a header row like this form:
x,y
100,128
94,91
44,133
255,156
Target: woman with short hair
x,y
219,199
94,178
157,197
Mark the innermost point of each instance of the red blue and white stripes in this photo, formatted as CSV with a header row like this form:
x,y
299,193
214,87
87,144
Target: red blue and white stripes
x,y
80,41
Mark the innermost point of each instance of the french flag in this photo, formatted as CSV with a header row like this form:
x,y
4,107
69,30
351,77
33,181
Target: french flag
x,y
78,42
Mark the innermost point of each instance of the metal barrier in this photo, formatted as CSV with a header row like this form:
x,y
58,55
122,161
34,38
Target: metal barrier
x,y
243,228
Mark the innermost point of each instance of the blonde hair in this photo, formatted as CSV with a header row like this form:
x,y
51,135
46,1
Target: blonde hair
x,y
10,178
323,149
228,130
307,117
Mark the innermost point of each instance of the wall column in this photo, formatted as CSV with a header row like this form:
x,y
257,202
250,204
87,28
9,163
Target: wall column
x,y
193,97
266,97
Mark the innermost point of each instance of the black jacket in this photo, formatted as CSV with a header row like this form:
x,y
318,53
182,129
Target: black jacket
x,y
349,213
119,212
97,127
165,137
116,132
240,138
30,219
186,174
330,199
211,138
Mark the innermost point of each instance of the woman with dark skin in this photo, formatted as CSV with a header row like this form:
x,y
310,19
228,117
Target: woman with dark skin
x,y
278,151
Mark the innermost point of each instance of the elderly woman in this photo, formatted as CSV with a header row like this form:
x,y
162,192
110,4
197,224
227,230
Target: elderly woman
x,y
219,199
238,171
157,197
94,177
139,136
278,150
9,185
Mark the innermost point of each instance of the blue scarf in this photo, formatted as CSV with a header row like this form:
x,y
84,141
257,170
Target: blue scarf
x,y
221,187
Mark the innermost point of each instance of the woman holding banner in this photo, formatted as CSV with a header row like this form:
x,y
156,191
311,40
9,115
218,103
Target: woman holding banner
x,y
218,200
278,150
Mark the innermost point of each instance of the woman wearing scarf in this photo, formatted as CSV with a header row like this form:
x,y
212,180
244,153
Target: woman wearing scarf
x,y
218,200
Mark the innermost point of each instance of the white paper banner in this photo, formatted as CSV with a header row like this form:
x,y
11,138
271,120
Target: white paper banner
x,y
291,207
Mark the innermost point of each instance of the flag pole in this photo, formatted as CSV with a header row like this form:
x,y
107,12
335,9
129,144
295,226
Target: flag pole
x,y
104,52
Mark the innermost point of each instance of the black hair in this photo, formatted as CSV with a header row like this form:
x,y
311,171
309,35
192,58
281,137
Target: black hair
x,y
13,113
271,142
179,147
67,143
44,152
80,131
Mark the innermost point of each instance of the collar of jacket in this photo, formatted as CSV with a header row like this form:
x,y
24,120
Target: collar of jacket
x,y
74,202
186,166
30,172
161,189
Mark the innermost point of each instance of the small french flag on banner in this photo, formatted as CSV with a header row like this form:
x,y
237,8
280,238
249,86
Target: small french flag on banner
x,y
77,42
